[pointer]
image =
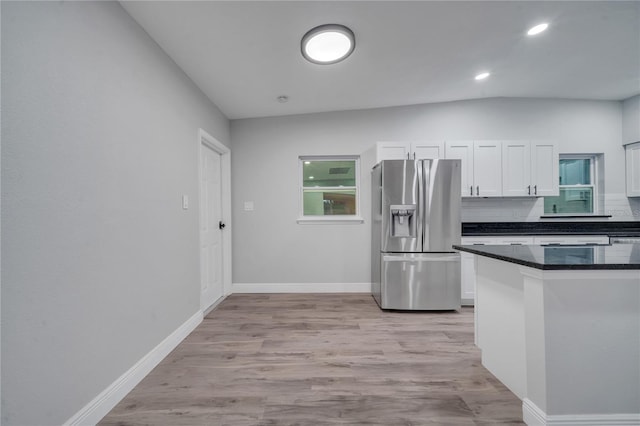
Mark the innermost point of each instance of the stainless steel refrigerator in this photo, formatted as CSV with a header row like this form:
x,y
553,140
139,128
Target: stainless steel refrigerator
x,y
415,220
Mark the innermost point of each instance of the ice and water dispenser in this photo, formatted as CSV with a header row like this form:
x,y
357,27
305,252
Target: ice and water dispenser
x,y
403,220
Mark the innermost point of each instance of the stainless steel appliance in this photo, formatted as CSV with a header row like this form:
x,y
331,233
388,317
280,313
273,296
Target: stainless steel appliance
x,y
415,221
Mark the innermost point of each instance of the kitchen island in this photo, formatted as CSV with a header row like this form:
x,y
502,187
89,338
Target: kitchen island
x,y
560,326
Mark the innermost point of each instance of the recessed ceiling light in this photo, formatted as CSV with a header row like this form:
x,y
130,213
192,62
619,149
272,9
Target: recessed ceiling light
x,y
538,29
328,44
482,76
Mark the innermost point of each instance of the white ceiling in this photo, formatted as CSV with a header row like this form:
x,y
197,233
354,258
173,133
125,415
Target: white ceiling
x,y
244,54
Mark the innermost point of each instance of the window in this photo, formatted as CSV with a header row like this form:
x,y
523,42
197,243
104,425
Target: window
x,y
329,189
578,187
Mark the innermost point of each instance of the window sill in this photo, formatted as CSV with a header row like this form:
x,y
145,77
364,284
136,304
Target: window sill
x,y
576,216
323,220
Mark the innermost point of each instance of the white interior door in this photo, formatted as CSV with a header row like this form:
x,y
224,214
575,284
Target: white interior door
x,y
211,252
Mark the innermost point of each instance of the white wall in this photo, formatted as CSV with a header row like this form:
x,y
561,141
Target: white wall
x,y
270,247
631,120
99,261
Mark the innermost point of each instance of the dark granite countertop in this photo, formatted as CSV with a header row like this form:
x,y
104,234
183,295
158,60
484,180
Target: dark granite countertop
x,y
616,256
610,228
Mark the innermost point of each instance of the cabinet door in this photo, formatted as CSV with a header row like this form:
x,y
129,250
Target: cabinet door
x,y
469,241
545,163
392,151
462,150
487,168
516,169
551,240
467,278
592,239
513,240
571,239
427,150
468,272
632,153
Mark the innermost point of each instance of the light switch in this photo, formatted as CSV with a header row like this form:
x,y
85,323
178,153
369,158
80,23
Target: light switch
x,y
248,206
185,202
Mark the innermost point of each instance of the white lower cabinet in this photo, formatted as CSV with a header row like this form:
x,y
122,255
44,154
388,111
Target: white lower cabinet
x,y
467,278
632,152
467,262
570,240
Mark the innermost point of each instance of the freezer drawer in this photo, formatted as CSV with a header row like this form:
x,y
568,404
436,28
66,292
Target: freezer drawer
x,y
420,281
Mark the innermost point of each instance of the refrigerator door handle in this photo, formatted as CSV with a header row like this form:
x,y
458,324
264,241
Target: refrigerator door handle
x,y
420,199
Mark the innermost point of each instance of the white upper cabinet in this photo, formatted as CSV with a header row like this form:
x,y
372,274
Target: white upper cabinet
x,y
487,168
427,150
408,150
490,168
481,166
462,150
529,168
545,164
632,152
516,169
631,120
392,151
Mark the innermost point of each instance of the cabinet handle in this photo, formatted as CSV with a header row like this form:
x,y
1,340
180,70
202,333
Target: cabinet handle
x,y
408,157
414,155
535,189
471,189
478,190
529,190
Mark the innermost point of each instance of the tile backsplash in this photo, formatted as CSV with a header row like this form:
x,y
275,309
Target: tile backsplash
x,y
618,206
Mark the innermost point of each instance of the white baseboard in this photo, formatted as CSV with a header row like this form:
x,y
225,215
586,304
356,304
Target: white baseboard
x,y
534,416
95,410
301,288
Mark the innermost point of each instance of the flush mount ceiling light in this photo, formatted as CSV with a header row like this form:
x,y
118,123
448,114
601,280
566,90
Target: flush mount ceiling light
x,y
328,44
482,76
538,29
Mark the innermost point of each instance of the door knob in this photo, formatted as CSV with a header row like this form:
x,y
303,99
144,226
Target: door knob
x,y
221,225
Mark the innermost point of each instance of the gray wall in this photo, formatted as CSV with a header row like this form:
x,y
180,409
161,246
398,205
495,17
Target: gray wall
x,y
99,261
270,247
631,120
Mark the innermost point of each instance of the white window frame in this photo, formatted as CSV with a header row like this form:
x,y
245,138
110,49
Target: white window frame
x,y
330,219
593,170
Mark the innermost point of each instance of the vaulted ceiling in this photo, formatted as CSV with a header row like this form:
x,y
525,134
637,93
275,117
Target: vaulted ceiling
x,y
244,54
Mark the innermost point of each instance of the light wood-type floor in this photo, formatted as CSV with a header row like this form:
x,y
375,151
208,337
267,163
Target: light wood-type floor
x,y
321,359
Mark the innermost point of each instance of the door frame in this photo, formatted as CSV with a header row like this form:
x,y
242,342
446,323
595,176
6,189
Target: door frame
x,y
208,141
